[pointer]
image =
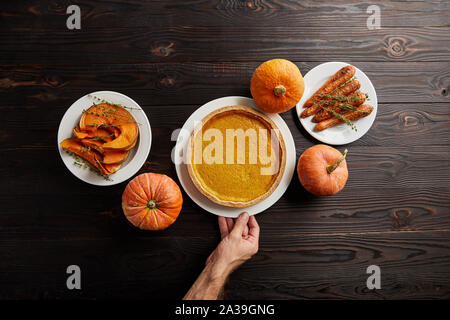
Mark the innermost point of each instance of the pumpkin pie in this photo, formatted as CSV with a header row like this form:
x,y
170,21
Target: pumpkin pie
x,y
236,156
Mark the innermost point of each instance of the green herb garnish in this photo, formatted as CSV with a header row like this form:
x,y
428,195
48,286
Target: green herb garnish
x,y
341,117
113,104
82,163
102,138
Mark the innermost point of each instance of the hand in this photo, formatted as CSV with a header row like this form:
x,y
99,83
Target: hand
x,y
240,238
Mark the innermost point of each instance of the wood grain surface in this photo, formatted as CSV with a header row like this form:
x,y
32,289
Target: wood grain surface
x,y
285,13
173,56
192,43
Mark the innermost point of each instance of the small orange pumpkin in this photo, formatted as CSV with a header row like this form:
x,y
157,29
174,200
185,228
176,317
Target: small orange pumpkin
x,y
322,170
277,85
152,201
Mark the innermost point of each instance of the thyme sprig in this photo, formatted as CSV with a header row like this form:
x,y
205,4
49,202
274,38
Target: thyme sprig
x,y
347,106
109,115
351,108
83,163
339,101
345,83
102,125
336,97
113,104
341,117
103,137
111,112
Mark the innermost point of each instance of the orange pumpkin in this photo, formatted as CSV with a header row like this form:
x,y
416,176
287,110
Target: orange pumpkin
x,y
322,170
277,85
152,201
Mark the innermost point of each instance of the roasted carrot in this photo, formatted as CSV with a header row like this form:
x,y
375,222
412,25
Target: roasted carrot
x,y
324,99
361,112
350,102
340,77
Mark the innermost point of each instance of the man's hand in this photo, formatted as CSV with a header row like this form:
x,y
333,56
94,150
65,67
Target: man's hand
x,y
240,238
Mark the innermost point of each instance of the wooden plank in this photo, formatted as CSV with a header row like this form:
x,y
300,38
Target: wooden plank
x,y
284,13
218,44
197,83
111,268
99,214
413,265
396,126
388,189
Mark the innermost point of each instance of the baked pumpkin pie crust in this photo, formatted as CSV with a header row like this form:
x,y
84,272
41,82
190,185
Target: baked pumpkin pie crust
x,y
236,181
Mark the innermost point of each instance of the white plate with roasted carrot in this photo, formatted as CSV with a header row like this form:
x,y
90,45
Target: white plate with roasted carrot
x,y
104,138
339,104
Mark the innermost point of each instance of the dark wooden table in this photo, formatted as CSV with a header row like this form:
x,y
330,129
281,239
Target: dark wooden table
x,y
173,56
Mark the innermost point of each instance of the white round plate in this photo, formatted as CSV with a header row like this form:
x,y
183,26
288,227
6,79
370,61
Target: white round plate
x,y
343,133
181,150
138,154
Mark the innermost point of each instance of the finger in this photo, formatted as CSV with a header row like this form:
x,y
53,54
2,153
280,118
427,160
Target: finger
x,y
245,232
223,227
253,227
230,224
240,224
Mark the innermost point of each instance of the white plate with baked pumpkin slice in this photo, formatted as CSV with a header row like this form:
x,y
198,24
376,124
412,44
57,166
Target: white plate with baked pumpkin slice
x,y
236,193
342,133
111,140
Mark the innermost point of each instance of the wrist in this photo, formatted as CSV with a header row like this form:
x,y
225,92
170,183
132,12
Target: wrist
x,y
208,285
219,271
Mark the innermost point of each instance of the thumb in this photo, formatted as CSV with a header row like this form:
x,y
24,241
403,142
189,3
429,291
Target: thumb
x,y
240,224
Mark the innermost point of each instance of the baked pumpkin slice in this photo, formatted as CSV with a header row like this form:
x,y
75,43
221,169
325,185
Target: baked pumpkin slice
x,y
236,156
109,156
107,169
104,137
115,156
115,121
76,147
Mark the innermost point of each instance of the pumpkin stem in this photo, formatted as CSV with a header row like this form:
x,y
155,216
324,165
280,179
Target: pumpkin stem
x,y
332,167
279,90
151,204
